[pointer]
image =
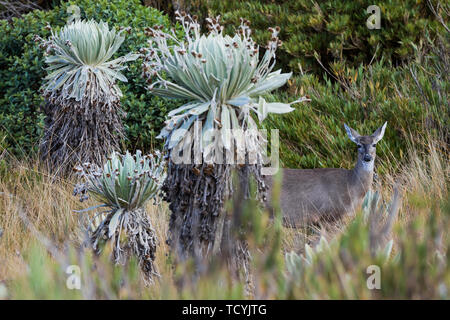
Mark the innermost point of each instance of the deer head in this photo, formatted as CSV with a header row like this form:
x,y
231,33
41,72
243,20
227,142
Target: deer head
x,y
366,145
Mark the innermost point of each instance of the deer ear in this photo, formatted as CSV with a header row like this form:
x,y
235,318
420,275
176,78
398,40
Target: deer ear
x,y
378,135
352,134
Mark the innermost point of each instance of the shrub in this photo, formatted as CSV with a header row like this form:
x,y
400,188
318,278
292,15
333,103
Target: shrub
x,y
22,71
334,29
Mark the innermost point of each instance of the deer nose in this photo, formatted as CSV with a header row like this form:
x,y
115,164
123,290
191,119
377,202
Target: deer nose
x,y
367,157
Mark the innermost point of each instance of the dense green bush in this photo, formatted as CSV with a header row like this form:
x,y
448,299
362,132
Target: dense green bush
x,y
313,136
333,29
22,69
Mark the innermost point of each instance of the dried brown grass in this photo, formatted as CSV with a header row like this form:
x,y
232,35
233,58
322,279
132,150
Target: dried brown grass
x,y
49,205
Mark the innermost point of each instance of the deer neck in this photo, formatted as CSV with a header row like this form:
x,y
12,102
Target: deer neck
x,y
362,175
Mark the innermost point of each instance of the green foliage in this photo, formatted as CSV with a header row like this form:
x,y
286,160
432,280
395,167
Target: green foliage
x,y
334,29
47,278
22,70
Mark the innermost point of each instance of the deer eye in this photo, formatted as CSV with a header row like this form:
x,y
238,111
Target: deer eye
x,y
374,145
360,146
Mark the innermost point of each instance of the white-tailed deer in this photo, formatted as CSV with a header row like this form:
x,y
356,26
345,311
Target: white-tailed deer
x,y
313,195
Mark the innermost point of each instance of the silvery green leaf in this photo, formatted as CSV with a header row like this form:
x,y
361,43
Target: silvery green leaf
x,y
226,127
117,62
200,108
213,80
239,101
184,107
208,128
272,82
179,133
387,250
101,81
207,135
114,222
278,107
293,262
113,74
125,170
238,132
262,109
163,134
59,82
175,91
56,73
323,244
309,252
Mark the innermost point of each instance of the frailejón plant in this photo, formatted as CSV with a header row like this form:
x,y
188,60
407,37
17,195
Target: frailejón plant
x,y
82,98
123,186
221,78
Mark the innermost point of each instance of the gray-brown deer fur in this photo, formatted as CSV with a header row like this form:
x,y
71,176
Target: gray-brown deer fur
x,y
327,194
